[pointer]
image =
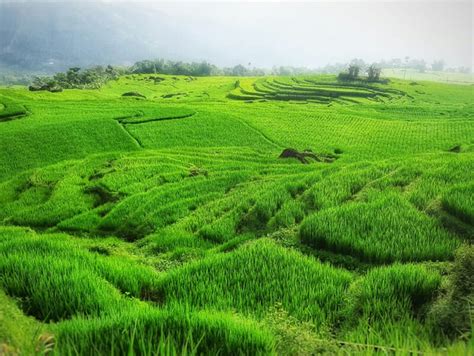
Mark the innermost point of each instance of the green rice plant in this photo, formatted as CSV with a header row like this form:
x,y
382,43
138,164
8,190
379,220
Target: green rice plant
x,y
386,228
263,273
137,216
387,307
322,92
294,337
202,129
266,205
191,177
222,229
343,185
170,238
56,280
149,331
18,333
164,113
459,201
291,213
10,109
47,205
383,290
58,141
80,293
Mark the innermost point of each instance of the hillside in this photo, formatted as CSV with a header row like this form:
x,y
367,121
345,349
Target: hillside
x,y
165,221
53,36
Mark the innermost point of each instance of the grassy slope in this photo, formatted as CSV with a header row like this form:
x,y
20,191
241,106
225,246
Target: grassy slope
x,y
139,201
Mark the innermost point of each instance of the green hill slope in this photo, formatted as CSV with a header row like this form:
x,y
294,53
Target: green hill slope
x,y
169,221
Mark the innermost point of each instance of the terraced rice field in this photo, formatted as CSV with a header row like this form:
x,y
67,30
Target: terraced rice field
x,y
168,224
322,91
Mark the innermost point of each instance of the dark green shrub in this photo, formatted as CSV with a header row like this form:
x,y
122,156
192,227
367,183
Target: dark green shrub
x,y
453,312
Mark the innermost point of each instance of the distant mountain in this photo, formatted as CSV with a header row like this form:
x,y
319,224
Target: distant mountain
x,y
55,36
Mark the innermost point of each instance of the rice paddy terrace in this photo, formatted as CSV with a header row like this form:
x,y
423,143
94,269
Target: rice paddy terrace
x,y
310,90
156,216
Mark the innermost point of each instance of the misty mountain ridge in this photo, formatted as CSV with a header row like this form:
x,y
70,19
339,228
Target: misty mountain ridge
x,y
55,36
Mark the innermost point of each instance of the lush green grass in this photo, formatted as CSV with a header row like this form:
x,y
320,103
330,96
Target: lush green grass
x,y
388,300
149,331
262,274
168,224
10,110
401,233
55,279
17,331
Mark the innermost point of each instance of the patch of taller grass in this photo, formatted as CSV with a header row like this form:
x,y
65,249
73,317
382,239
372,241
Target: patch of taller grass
x,y
170,331
255,277
55,279
386,228
388,306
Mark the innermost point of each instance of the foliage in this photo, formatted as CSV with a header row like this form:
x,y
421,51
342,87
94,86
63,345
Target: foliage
x,y
170,67
167,221
55,280
263,274
373,73
18,333
151,331
453,311
400,234
75,78
294,337
438,65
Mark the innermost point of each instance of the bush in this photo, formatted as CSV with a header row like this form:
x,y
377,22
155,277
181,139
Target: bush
x,y
373,73
453,312
135,94
344,77
75,78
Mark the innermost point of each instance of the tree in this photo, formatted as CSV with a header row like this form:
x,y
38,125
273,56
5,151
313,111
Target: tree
x,y
284,71
144,67
351,74
354,70
239,70
61,78
111,72
45,83
418,64
72,76
358,63
438,65
464,70
75,78
373,73
203,69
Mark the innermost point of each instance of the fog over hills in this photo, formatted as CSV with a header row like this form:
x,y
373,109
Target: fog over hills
x,y
52,35
57,35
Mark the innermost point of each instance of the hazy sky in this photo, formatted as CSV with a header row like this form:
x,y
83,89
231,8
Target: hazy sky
x,y
315,33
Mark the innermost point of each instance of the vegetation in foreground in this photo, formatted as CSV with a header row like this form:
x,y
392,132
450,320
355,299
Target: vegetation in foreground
x,y
155,216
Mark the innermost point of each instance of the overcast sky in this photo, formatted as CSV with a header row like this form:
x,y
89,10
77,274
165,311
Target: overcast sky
x,y
315,33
